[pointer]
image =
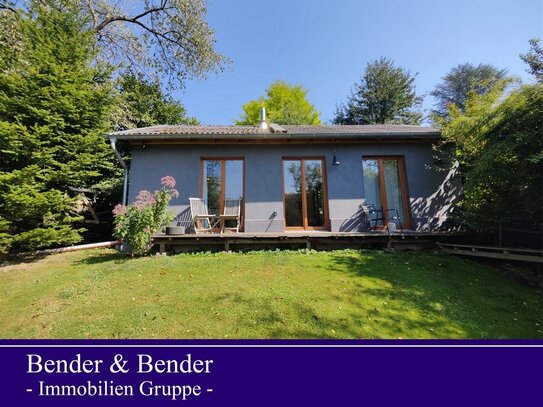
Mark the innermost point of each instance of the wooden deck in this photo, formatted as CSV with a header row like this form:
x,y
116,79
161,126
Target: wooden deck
x,y
500,253
309,240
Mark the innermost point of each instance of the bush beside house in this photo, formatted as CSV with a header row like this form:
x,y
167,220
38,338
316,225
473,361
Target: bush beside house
x,y
135,224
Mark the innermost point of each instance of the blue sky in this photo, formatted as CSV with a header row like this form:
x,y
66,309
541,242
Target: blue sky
x,y
325,46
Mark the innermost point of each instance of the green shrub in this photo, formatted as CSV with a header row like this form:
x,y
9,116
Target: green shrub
x,y
135,224
33,217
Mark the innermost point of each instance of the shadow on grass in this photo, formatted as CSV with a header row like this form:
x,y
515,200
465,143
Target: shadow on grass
x,y
23,259
369,323
450,295
392,295
298,319
94,258
100,258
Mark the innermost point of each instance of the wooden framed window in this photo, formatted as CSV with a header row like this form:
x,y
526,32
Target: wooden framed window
x,y
305,200
385,186
222,178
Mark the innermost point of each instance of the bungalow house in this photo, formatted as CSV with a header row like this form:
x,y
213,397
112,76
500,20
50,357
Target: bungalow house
x,y
296,177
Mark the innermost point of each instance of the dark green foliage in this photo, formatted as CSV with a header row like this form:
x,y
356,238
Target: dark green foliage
x,y
506,180
500,150
460,81
386,95
34,216
54,109
142,103
534,59
56,105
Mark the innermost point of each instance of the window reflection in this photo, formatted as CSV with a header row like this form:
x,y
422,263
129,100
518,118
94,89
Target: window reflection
x,y
314,193
223,179
234,179
383,189
304,193
212,185
293,193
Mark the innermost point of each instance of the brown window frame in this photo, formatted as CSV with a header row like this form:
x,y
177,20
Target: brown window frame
x,y
223,160
400,159
305,225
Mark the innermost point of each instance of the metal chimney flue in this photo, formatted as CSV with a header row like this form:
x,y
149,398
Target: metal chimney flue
x,y
263,122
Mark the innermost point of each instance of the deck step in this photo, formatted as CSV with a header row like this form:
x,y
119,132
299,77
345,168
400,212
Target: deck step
x,y
501,253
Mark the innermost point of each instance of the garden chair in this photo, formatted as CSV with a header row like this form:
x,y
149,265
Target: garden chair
x,y
232,212
384,216
202,221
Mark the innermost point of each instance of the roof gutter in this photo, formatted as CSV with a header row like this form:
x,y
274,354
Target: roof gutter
x,y
278,136
113,141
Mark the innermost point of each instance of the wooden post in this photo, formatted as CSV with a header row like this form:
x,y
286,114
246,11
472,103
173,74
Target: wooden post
x,y
162,248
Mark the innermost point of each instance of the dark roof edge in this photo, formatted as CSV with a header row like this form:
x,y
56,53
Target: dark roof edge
x,y
278,136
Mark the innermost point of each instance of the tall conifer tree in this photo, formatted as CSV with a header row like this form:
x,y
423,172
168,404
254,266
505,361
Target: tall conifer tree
x,y
54,111
385,95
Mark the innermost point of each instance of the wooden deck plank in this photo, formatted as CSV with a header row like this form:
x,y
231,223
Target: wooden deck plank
x,y
325,240
310,235
495,255
491,248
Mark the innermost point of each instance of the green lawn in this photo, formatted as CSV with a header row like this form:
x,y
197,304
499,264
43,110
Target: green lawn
x,y
340,294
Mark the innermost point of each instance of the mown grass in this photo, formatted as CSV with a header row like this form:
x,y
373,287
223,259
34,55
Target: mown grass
x,y
339,294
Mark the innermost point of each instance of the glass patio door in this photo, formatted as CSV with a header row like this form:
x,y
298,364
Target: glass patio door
x,y
386,187
221,179
304,193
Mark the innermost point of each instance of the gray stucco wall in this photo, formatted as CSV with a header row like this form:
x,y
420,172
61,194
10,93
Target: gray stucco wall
x,y
431,193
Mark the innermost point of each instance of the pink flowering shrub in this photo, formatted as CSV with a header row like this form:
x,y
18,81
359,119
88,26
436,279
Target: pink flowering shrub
x,y
119,210
168,182
135,224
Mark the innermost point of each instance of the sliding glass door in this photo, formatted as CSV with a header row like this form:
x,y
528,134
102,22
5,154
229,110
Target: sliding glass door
x,y
304,193
221,179
386,187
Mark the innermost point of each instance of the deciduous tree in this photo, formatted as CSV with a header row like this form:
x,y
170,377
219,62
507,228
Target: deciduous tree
x,y
284,103
497,140
142,103
160,38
